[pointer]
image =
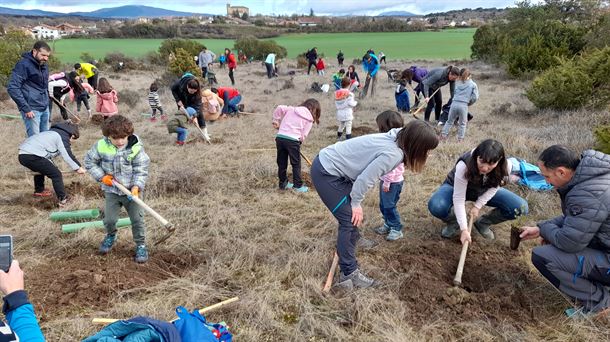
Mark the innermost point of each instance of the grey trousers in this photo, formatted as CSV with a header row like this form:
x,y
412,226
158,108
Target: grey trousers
x,y
583,276
136,215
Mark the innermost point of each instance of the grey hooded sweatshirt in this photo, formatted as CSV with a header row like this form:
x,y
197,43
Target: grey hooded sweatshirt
x,y
585,203
363,160
466,92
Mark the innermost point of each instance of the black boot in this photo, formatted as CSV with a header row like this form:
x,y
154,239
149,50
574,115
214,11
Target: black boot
x,y
484,222
452,229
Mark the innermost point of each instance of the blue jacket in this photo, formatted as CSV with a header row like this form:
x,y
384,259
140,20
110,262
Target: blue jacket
x,y
28,85
402,98
21,318
137,329
371,67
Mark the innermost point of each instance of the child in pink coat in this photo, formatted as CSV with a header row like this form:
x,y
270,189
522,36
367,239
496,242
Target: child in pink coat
x,y
391,183
293,125
107,99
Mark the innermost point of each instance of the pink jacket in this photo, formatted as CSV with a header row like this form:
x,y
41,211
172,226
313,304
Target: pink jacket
x,y
106,103
295,122
394,176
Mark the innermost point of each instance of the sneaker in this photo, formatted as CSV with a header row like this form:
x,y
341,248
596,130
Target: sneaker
x,y
164,117
383,230
358,279
64,202
440,123
302,189
43,193
450,231
366,244
394,235
179,143
582,314
107,244
289,186
153,119
141,254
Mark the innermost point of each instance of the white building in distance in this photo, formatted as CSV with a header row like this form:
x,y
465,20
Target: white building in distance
x,y
46,32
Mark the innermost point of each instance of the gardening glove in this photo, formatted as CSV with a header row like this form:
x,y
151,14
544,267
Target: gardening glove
x,y
107,179
135,191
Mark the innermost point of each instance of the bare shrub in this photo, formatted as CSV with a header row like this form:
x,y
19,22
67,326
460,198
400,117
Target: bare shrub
x,y
130,97
4,94
179,180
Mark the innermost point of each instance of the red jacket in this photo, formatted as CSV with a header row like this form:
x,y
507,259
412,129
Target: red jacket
x,y
231,91
320,65
231,62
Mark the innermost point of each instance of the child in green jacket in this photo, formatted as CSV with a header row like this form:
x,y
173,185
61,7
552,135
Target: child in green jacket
x,y
178,124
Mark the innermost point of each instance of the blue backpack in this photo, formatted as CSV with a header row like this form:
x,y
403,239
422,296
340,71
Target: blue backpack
x,y
193,327
530,175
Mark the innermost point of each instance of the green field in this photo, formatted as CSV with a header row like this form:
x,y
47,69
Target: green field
x,y
447,44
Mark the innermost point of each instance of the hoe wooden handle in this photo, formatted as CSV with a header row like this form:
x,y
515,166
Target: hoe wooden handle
x,y
141,203
457,281
331,274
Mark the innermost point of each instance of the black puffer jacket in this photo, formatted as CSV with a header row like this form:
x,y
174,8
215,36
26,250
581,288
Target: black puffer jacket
x,y
65,131
585,203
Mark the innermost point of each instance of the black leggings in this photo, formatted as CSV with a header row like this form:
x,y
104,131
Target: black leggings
x,y
231,76
44,167
309,66
436,102
288,149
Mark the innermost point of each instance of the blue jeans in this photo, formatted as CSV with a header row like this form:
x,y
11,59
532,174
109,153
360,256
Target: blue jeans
x,y
230,106
387,205
39,123
510,205
182,133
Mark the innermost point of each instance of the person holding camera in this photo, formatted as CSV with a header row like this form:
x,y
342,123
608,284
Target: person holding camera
x,y
19,312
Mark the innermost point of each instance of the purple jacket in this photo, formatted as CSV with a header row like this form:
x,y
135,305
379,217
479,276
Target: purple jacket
x,y
418,73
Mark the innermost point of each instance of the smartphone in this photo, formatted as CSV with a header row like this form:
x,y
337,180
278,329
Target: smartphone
x,y
6,252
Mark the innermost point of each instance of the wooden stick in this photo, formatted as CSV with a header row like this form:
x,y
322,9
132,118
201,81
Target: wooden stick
x,y
32,173
141,203
202,134
66,109
457,281
306,159
424,104
246,113
331,274
202,311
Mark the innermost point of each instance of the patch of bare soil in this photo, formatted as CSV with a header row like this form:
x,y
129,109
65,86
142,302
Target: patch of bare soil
x,y
80,282
496,287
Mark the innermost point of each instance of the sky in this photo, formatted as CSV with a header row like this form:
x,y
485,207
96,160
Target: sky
x,y
320,7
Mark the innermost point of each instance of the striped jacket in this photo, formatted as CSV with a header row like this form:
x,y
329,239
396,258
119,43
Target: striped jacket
x,y
153,100
129,166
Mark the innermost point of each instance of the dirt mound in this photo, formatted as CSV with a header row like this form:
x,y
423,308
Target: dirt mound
x,y
86,189
363,130
496,286
29,201
93,281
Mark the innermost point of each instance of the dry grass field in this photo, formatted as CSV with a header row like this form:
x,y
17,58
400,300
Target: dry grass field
x,y
239,236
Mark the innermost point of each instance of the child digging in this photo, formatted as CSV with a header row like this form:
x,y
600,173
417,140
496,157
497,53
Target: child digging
x,y
293,124
345,103
178,124
390,186
120,156
155,103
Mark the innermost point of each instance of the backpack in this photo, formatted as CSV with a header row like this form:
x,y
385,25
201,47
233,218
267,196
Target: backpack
x,y
57,76
193,327
445,113
316,88
529,174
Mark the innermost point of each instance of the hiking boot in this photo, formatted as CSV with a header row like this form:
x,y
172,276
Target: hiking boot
x,y
141,254
366,244
484,222
302,189
43,193
394,235
358,279
383,230
107,244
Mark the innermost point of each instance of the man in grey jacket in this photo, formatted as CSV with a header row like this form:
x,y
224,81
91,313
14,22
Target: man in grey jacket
x,y
206,57
575,255
431,87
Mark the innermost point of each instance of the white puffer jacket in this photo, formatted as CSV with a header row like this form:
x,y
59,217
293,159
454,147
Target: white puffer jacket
x,y
345,105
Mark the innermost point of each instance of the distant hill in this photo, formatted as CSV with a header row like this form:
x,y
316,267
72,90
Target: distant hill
x,y
396,14
132,11
128,12
12,11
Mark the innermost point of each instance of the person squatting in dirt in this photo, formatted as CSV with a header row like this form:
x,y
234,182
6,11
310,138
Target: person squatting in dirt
x,y
37,152
477,176
293,125
575,251
187,93
342,173
119,156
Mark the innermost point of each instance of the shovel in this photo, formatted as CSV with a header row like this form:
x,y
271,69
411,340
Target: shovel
x,y
457,281
170,227
306,159
424,104
57,102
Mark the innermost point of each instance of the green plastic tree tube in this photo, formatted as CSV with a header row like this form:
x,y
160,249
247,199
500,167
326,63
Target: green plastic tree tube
x,y
75,215
74,227
9,116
